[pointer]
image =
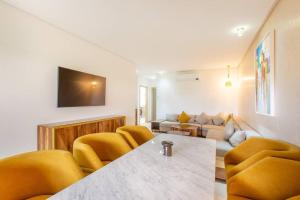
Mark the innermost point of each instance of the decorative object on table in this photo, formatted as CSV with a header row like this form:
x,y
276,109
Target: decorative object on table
x,y
183,117
228,83
167,148
264,75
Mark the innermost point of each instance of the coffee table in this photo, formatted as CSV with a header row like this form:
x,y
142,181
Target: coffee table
x,y
193,130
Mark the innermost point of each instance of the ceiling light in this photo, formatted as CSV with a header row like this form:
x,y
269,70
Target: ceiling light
x,y
161,72
239,30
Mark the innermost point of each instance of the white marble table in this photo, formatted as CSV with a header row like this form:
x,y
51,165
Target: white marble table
x,y
145,173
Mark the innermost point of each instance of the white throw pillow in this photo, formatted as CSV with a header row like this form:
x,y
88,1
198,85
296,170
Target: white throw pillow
x,y
229,129
218,120
202,119
171,117
237,138
192,119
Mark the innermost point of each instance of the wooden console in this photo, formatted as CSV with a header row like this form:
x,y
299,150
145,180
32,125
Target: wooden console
x,y
61,135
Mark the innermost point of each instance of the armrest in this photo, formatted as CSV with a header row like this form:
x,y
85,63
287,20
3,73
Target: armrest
x,y
251,147
270,178
292,155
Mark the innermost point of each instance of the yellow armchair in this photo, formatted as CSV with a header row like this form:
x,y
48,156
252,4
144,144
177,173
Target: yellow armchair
x,y
129,139
269,179
93,151
37,175
140,134
255,149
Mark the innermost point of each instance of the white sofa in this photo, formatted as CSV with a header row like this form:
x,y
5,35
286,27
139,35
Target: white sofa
x,y
203,121
211,130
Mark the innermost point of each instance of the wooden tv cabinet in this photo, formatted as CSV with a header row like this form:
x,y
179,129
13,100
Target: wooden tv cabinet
x,y
61,135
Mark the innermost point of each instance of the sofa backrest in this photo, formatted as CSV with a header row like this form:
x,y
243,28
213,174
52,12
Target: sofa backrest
x,y
250,132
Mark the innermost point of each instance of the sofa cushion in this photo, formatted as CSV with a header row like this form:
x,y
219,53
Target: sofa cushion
x,y
229,129
223,147
207,127
217,134
202,119
250,134
218,119
192,119
171,117
237,138
168,123
183,117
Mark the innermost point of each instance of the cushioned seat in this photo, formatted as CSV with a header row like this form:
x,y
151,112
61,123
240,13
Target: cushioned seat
x,y
165,126
140,134
40,197
255,149
94,151
37,175
269,179
223,147
207,127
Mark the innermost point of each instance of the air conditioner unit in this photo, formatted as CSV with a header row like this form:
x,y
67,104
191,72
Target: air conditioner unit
x,y
185,76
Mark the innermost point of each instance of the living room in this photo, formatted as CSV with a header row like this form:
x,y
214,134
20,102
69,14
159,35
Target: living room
x,y
150,99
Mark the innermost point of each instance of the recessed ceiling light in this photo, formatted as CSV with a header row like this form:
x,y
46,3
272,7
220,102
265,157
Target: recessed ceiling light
x,y
161,72
240,30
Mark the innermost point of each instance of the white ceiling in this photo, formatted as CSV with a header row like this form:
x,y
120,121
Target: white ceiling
x,y
159,34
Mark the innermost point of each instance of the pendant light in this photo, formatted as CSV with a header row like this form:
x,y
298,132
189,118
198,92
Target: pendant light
x,y
228,83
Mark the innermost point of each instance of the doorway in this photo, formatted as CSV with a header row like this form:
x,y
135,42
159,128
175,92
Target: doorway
x,y
143,105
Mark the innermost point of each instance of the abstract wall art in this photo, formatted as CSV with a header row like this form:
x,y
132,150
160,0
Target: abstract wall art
x,y
264,75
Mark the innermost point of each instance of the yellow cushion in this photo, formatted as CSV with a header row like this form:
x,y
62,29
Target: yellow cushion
x,y
40,197
183,117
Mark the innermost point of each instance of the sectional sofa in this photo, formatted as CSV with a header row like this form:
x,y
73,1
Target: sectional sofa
x,y
214,127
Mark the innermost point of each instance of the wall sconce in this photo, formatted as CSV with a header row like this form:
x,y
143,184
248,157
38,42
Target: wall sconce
x,y
228,83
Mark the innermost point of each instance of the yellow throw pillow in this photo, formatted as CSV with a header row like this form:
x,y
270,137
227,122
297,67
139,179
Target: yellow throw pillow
x,y
183,117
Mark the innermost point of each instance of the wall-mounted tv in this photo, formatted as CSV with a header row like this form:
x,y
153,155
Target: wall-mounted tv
x,y
77,88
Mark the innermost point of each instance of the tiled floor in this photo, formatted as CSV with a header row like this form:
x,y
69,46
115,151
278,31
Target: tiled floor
x,y
220,190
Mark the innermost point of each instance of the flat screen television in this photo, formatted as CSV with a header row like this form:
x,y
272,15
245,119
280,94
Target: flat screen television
x,y
77,88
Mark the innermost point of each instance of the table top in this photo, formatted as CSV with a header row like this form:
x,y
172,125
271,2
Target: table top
x,y
184,126
145,173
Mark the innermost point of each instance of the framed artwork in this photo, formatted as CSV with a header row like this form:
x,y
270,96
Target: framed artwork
x,y
264,75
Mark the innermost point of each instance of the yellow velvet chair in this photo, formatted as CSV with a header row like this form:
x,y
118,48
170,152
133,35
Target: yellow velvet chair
x,y
269,179
93,151
140,134
129,139
255,149
37,175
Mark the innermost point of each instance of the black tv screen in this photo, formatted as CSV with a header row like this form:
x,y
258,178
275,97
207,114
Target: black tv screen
x,y
80,89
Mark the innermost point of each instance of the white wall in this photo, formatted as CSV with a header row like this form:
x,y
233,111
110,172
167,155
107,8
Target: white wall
x,y
30,52
285,20
208,94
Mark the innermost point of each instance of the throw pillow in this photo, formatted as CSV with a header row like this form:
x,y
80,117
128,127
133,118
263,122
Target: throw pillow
x,y
237,138
202,119
183,117
192,119
218,120
229,129
171,117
